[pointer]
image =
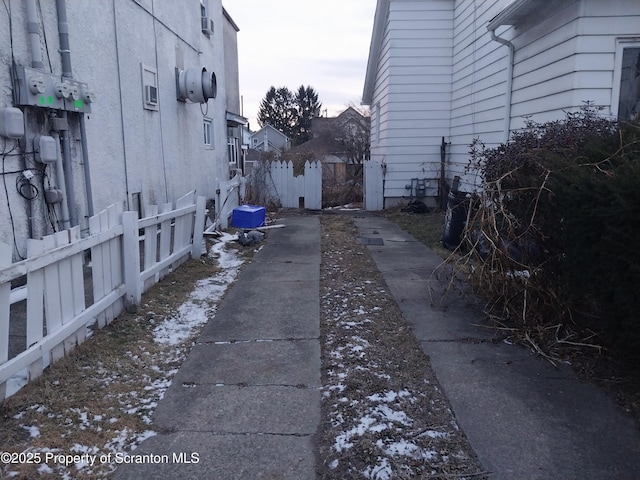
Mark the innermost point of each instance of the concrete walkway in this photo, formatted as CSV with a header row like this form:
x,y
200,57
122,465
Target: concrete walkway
x,y
524,418
247,398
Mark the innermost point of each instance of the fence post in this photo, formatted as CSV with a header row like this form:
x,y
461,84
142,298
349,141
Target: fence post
x,y
5,291
198,227
131,251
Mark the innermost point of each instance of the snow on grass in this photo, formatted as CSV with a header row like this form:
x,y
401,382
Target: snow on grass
x,y
135,395
194,313
386,418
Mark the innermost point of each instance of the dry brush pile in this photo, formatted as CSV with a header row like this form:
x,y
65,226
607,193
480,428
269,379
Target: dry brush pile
x,y
550,240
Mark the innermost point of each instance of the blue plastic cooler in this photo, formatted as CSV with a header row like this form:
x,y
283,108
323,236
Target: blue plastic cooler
x,y
248,216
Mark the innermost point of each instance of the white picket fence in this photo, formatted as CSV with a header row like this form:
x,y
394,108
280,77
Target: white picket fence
x,y
124,263
290,189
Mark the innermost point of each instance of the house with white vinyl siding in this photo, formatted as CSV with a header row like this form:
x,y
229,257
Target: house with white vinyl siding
x,y
443,72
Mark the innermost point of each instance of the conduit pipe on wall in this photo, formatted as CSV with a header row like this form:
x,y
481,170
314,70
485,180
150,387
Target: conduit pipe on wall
x,y
63,33
60,181
85,164
65,54
33,27
507,105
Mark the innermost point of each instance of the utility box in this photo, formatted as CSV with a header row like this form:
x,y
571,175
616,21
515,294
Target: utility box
x,y
248,216
11,122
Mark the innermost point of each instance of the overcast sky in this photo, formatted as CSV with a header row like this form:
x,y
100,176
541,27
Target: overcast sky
x,y
287,43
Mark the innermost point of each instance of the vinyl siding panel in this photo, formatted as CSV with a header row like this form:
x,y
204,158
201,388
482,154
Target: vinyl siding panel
x,y
445,76
419,93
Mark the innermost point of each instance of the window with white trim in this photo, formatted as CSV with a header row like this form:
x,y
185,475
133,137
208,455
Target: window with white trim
x,y
626,81
207,130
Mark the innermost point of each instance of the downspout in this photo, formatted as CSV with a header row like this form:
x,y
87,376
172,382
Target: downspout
x,y
509,92
33,27
65,54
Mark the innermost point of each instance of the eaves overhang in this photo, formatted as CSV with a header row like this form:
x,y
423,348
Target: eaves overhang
x,y
520,11
235,118
379,24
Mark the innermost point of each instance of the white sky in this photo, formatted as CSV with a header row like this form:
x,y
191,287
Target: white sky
x,y
287,43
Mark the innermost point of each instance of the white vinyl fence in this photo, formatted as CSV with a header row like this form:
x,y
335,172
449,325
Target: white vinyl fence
x,y
65,295
290,189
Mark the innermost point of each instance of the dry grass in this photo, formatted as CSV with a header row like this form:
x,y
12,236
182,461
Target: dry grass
x,y
425,227
369,352
100,398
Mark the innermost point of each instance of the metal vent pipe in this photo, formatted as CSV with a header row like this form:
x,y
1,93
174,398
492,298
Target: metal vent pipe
x,y
33,27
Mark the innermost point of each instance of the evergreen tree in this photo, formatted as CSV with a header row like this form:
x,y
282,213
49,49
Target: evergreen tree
x,y
308,107
278,110
290,114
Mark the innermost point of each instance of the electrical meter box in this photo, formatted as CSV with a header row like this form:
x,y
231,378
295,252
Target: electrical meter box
x,y
248,216
11,122
46,149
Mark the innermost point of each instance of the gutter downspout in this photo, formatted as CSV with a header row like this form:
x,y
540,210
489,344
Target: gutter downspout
x,y
509,92
65,54
33,27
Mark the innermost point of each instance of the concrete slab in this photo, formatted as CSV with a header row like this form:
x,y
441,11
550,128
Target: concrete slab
x,y
284,254
524,418
225,457
233,409
528,420
254,310
277,362
270,271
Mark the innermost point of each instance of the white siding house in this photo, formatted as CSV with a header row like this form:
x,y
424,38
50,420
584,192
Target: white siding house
x,y
455,70
138,139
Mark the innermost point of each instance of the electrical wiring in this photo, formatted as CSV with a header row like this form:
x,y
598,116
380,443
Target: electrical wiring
x,y
25,188
6,193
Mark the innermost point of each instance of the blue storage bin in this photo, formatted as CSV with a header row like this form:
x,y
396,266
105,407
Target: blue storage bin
x,y
248,216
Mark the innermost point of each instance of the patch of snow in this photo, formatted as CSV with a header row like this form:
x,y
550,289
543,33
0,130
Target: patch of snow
x,y
34,431
16,382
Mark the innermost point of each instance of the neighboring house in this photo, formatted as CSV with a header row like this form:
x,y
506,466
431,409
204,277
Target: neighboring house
x,y
139,100
235,122
328,144
443,72
269,139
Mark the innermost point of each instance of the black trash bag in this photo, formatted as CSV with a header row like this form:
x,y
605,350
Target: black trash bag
x,y
417,206
247,239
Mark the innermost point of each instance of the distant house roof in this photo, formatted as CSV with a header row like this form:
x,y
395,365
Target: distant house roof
x,y
324,140
269,138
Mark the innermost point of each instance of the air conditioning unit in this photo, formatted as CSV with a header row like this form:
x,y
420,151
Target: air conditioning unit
x,y
207,25
151,95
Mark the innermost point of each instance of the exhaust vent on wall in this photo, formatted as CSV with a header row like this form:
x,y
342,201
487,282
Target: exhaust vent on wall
x,y
196,85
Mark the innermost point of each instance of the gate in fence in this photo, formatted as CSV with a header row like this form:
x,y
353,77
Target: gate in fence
x,y
373,185
296,191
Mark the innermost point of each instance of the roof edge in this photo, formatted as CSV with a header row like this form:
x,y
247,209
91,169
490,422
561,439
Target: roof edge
x,y
379,23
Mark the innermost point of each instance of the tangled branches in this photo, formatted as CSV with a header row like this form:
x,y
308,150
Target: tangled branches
x,y
549,240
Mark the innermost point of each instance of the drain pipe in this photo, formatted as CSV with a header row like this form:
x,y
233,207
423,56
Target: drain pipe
x,y
509,92
65,54
33,27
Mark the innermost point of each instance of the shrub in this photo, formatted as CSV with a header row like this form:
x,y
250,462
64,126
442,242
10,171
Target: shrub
x,y
553,231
